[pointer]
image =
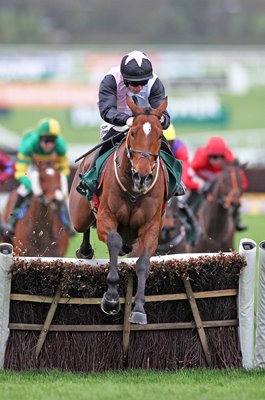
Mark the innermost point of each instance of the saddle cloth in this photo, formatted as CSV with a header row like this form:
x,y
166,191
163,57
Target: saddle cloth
x,y
89,181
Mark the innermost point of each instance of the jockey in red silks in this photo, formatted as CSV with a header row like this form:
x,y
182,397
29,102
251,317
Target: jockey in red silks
x,y
180,151
208,162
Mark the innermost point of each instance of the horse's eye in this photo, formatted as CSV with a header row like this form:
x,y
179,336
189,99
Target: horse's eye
x,y
132,134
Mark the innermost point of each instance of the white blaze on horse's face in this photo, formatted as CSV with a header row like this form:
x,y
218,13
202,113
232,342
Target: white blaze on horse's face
x,y
147,127
50,171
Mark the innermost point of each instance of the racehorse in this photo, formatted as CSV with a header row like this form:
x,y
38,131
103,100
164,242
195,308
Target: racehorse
x,y
215,215
39,230
130,204
172,238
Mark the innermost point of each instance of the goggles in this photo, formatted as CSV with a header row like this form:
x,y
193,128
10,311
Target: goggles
x,y
48,139
137,83
216,157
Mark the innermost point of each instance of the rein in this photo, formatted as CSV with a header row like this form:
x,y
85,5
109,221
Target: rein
x,y
132,197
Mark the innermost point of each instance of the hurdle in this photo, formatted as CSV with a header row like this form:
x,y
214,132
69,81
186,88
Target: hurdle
x,y
129,333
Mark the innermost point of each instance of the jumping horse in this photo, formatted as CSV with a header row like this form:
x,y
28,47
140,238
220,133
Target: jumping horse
x,y
39,230
130,204
215,216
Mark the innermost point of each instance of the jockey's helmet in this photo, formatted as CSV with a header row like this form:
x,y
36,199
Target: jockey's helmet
x,y
136,67
170,132
216,146
49,127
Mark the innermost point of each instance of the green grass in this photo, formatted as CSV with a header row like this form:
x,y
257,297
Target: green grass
x,y
256,232
135,385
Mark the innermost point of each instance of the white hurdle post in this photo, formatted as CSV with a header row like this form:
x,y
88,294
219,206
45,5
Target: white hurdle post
x,y
260,333
6,260
247,249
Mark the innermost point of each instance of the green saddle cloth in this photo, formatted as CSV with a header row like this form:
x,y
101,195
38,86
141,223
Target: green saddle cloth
x,y
90,179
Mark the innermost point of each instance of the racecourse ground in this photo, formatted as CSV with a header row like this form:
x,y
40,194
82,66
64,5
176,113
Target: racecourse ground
x,y
194,384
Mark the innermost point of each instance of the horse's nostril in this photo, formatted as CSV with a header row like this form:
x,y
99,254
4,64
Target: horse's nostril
x,y
136,177
148,178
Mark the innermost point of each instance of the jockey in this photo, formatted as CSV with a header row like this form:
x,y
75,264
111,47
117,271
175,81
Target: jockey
x,y
133,77
6,172
42,143
208,162
180,151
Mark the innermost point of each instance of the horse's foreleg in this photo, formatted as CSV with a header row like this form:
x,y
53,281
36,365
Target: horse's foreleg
x,y
110,303
85,250
138,315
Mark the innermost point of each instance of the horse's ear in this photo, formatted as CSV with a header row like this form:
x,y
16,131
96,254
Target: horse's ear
x,y
131,104
160,110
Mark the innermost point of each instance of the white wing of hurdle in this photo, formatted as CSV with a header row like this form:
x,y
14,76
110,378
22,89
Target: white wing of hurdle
x,y
247,249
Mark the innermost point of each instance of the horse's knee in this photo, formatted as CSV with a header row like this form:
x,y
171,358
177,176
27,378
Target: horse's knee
x,y
114,240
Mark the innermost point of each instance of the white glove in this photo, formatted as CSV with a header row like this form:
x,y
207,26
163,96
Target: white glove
x,y
129,122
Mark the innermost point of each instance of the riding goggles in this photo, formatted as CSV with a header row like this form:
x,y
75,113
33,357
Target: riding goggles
x,y
137,83
48,139
216,157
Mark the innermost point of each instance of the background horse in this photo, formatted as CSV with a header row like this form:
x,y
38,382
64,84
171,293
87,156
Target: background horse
x,y
215,215
130,204
39,229
172,238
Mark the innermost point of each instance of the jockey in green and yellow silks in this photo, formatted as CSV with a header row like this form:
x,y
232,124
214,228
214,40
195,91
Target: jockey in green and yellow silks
x,y
39,145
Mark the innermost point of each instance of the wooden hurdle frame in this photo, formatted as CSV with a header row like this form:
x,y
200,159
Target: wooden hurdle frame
x,y
245,296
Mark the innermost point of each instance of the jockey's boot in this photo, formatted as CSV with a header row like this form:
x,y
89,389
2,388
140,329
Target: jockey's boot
x,y
236,216
65,218
195,200
192,228
10,226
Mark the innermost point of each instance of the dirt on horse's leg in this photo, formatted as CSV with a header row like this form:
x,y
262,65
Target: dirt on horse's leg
x,y
138,315
85,251
110,303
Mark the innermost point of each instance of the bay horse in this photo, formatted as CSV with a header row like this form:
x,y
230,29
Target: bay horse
x,y
130,204
215,216
39,230
172,238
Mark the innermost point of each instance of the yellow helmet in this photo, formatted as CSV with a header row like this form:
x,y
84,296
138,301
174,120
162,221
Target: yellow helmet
x,y
49,126
170,132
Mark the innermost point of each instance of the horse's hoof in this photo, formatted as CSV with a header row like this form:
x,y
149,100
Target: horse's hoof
x,y
137,317
110,307
88,256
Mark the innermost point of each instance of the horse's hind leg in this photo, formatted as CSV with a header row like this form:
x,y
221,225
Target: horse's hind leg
x,y
138,314
110,303
85,250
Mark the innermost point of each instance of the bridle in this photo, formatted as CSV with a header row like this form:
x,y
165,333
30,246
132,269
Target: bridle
x,y
143,154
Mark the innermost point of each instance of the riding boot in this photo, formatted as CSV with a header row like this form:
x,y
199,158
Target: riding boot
x,y
195,200
236,216
192,228
65,218
10,226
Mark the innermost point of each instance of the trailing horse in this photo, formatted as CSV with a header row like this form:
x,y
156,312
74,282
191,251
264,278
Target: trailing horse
x,y
40,230
172,238
131,201
216,214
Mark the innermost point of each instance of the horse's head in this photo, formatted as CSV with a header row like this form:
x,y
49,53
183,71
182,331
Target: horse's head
x,y
48,184
229,186
143,143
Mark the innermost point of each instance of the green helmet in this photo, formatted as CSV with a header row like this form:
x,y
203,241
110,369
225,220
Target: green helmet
x,y
49,126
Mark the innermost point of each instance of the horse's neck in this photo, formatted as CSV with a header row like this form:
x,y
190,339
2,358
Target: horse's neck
x,y
214,218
